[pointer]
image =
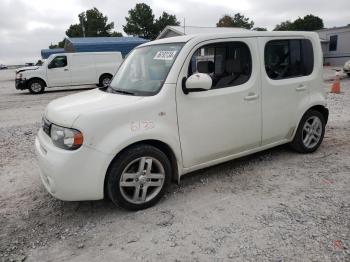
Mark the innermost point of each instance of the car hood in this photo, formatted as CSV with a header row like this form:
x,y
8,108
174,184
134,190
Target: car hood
x,y
21,69
64,111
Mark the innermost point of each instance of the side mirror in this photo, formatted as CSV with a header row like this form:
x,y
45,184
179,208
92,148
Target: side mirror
x,y
197,82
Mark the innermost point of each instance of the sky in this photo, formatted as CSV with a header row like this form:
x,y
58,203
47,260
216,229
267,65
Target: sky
x,y
27,26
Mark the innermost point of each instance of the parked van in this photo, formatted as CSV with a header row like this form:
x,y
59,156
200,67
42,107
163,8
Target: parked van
x,y
69,69
181,104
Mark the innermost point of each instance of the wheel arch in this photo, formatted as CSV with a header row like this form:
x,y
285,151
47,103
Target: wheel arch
x,y
164,147
318,107
36,78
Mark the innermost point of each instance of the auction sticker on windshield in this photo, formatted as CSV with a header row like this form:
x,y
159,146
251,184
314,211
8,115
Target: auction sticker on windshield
x,y
165,55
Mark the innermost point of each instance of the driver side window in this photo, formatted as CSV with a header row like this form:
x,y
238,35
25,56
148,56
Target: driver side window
x,y
58,61
227,63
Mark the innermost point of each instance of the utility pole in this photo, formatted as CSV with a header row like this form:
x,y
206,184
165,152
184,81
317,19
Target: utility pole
x,y
184,25
82,25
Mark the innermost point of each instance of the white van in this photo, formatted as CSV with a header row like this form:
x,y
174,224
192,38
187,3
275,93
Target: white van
x,y
181,104
69,69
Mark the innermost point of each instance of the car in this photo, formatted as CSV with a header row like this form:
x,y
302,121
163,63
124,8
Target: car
x,y
182,104
346,68
3,66
69,69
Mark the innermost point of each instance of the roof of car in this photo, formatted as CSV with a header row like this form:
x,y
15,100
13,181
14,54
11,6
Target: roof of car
x,y
243,33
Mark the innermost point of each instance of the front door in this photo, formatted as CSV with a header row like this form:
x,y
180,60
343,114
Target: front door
x,y
58,73
226,119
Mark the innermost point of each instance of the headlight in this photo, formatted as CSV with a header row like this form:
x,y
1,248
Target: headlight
x,y
66,138
19,76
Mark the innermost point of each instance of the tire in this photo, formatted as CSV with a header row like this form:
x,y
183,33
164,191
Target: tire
x,y
105,80
130,182
348,74
310,132
36,86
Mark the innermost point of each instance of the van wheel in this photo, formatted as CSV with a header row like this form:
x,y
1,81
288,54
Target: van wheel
x,y
137,179
310,132
36,86
105,80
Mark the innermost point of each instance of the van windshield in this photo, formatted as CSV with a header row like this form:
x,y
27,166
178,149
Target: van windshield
x,y
145,69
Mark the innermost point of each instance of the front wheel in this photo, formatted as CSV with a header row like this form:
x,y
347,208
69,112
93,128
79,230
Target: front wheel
x,y
310,132
36,86
138,178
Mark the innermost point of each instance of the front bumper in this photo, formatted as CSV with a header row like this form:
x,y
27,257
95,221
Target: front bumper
x,y
71,175
21,84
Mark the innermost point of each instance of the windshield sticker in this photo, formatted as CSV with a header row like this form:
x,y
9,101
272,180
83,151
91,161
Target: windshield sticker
x,y
165,55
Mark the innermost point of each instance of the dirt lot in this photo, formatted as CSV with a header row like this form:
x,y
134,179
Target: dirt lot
x,y
273,206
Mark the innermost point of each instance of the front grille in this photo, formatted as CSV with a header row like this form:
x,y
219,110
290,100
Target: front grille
x,y
46,126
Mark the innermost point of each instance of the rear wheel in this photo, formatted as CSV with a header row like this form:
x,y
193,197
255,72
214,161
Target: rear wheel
x,y
310,132
36,86
138,178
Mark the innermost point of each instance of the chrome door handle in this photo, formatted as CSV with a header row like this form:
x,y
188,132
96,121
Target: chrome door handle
x,y
301,88
250,97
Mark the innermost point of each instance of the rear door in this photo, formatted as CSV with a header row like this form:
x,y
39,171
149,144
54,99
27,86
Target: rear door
x,y
286,68
225,120
58,73
83,70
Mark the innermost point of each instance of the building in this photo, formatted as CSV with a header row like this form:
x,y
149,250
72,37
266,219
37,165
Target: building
x,y
335,45
96,44
170,31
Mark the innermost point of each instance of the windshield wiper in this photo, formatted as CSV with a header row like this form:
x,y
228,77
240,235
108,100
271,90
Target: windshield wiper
x,y
112,90
121,91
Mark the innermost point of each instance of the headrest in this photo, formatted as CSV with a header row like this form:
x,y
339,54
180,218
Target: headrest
x,y
205,67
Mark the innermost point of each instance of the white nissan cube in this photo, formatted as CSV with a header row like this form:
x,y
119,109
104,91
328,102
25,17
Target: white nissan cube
x,y
181,104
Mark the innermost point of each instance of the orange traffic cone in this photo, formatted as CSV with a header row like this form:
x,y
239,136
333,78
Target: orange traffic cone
x,y
336,84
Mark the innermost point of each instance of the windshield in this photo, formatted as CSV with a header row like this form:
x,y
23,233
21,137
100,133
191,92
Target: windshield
x,y
145,69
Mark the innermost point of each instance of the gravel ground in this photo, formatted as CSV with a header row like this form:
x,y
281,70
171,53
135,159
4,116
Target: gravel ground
x,y
276,205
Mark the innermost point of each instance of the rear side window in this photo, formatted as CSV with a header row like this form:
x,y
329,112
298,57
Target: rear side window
x,y
289,58
228,63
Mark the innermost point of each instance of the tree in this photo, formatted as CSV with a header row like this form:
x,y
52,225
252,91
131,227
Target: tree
x,y
237,20
307,23
91,23
141,22
164,20
259,29
284,26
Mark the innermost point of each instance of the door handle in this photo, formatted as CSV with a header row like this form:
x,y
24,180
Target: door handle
x,y
251,96
301,87
66,69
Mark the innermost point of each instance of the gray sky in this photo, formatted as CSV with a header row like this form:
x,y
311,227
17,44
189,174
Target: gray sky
x,y
26,26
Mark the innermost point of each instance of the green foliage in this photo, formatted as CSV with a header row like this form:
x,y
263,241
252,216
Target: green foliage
x,y
259,29
141,22
59,45
307,23
164,20
237,20
93,22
